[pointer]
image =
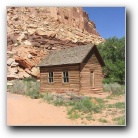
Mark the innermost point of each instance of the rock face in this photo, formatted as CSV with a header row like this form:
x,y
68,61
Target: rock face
x,y
33,31
73,16
22,64
40,25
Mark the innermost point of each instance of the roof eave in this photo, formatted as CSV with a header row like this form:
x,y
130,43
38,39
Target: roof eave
x,y
58,65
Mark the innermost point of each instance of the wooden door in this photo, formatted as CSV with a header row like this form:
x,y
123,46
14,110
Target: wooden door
x,y
92,79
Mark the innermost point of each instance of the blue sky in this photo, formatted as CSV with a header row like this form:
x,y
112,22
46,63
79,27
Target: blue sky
x,y
110,21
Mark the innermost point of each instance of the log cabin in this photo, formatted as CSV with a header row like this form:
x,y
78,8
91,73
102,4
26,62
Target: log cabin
x,y
77,69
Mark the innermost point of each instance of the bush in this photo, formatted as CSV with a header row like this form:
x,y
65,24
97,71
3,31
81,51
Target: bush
x,y
115,88
29,88
31,85
120,120
107,87
33,94
74,116
33,89
30,79
85,105
120,105
18,87
102,120
48,97
58,102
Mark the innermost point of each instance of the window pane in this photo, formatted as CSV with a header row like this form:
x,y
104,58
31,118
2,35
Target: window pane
x,y
50,76
66,74
49,80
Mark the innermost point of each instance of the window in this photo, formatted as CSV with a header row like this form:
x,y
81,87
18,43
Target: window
x,y
50,77
65,76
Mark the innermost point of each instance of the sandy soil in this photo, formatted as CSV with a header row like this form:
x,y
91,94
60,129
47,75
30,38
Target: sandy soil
x,y
24,111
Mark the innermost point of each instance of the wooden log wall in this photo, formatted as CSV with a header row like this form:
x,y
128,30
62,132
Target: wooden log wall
x,y
58,85
91,64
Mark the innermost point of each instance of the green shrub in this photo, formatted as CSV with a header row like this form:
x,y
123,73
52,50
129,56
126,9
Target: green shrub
x,y
120,105
29,88
107,87
115,88
33,94
33,85
85,105
33,89
103,120
73,114
89,117
30,79
58,102
120,120
18,87
48,97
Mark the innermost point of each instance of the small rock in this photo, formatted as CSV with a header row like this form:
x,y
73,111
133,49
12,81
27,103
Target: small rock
x,y
35,71
10,52
17,44
75,40
13,70
9,83
54,48
61,30
32,26
26,63
29,56
28,43
26,75
21,75
28,71
45,22
15,18
40,31
11,77
10,61
31,31
14,64
21,37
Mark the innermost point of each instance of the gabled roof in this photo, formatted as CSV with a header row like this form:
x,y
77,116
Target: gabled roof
x,y
71,55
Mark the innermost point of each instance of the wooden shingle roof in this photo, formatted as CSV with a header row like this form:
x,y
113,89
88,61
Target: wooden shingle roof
x,y
71,55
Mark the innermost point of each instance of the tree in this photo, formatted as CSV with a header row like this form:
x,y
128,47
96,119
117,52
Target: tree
x,y
113,54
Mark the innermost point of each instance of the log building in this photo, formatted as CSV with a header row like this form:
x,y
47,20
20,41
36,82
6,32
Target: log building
x,y
77,69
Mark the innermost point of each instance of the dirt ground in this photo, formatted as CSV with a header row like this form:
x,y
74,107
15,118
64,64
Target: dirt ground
x,y
24,111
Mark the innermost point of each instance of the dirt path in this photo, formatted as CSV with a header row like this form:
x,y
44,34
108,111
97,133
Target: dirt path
x,y
23,111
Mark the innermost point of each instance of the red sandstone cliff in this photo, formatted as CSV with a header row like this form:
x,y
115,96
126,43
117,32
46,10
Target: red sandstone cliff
x,y
41,29
74,17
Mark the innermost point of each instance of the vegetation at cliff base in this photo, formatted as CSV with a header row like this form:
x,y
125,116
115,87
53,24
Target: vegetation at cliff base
x,y
113,54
